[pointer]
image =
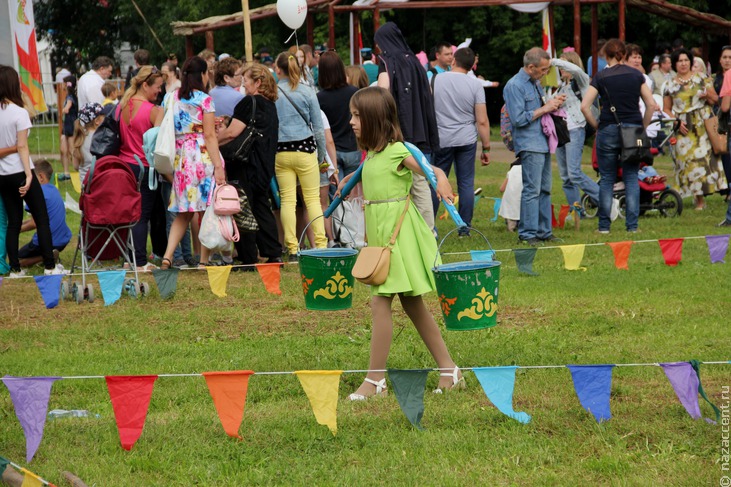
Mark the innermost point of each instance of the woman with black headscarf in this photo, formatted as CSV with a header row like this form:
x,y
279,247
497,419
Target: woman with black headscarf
x,y
401,73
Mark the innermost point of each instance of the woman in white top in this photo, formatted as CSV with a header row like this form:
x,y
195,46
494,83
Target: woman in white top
x,y
17,180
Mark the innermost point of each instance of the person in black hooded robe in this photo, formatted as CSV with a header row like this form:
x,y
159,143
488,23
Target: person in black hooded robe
x,y
401,73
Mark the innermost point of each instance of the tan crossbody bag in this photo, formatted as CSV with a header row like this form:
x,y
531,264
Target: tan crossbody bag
x,y
372,265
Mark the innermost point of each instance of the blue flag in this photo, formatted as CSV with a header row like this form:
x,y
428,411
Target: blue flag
x,y
482,255
50,288
498,384
111,283
496,208
593,384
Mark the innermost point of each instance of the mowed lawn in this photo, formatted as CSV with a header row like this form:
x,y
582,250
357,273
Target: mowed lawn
x,y
649,314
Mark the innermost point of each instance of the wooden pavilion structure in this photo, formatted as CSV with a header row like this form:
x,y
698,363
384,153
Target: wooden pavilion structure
x,y
709,23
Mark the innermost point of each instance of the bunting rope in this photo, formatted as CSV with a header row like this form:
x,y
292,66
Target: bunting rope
x,y
24,471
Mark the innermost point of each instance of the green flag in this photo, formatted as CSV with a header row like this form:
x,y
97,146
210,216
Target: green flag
x,y
3,465
409,387
524,260
166,280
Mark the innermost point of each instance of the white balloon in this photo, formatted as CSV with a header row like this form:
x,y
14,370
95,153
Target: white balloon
x,y
292,12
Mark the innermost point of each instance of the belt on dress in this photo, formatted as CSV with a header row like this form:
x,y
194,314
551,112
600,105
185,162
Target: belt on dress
x,y
391,200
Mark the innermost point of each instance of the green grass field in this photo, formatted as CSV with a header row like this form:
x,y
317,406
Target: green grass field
x,y
651,313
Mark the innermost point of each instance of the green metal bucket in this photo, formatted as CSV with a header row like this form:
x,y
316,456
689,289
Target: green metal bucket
x,y
468,292
327,278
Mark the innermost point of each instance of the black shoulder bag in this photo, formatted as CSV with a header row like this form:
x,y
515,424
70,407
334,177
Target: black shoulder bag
x,y
239,149
562,128
635,143
106,140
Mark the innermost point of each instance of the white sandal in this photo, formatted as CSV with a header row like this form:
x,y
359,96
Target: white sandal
x,y
457,381
380,390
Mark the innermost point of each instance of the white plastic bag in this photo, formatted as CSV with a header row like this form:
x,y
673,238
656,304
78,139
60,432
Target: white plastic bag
x,y
164,153
210,233
348,221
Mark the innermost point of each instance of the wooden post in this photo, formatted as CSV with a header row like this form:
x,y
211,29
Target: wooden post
x,y
550,26
356,35
594,39
577,27
247,30
622,11
209,40
331,25
311,29
188,47
376,25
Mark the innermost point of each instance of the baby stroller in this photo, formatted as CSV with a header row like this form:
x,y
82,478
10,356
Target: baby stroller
x,y
655,193
111,205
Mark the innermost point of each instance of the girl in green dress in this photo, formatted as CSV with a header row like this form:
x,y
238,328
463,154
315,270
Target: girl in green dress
x,y
387,179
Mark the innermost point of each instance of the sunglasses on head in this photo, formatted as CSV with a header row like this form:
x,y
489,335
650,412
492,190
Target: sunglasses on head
x,y
152,72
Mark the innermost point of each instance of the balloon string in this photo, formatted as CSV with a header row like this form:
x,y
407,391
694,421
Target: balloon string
x,y
294,33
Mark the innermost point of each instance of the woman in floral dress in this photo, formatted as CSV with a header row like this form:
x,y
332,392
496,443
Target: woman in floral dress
x,y
689,96
198,163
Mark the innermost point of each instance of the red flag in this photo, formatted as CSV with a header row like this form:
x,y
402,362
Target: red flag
x,y
228,391
672,250
130,397
554,222
562,214
270,275
621,253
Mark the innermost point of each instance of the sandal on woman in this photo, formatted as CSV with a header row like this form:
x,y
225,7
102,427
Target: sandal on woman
x,y
457,381
380,390
166,264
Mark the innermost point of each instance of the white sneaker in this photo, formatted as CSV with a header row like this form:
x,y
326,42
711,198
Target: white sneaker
x,y
16,275
56,271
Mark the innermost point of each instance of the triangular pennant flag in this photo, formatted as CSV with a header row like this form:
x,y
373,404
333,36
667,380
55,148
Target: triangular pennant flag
x,y
621,252
562,214
270,276
572,257
228,391
4,462
477,198
55,180
321,387
672,250
218,279
111,284
498,384
593,384
76,182
524,260
166,280
50,288
30,479
409,387
495,208
554,222
482,255
130,397
685,384
717,247
1,281
697,367
71,204
30,400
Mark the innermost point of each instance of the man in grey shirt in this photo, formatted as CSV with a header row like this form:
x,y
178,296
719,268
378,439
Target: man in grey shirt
x,y
459,101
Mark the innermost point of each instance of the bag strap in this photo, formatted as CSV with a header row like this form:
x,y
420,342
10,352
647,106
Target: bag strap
x,y
225,229
308,122
575,88
252,120
609,99
392,242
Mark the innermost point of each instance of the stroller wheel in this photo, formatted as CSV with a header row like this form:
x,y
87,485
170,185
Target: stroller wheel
x,y
90,293
591,208
144,288
622,207
78,293
670,203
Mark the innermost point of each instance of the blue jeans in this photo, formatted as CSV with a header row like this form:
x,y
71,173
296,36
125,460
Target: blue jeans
x,y
184,250
608,149
348,162
535,200
463,157
569,167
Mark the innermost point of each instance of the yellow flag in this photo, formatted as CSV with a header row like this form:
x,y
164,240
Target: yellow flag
x,y
572,256
30,479
218,279
76,182
321,387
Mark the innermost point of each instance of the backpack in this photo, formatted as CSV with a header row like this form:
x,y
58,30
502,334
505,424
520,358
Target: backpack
x,y
506,128
106,140
226,200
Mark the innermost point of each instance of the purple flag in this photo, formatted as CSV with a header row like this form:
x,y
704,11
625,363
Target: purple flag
x,y
717,247
685,384
593,384
30,399
50,288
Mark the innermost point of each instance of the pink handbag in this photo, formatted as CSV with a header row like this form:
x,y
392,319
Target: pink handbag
x,y
226,200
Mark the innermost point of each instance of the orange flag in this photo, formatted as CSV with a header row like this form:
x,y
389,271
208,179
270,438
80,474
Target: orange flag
x,y
672,250
228,391
621,253
270,275
562,214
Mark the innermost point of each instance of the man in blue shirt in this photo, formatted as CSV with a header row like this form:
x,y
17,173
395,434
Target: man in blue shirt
x,y
445,57
30,253
526,104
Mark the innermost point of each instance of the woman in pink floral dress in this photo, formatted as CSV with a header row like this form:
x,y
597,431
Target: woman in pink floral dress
x,y
198,165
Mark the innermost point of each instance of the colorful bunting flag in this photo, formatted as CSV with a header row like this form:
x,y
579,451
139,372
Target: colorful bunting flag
x,y
30,479
130,397
593,384
562,214
218,279
271,277
228,391
167,281
621,252
50,288
71,204
685,384
696,364
76,182
524,260
4,462
717,247
409,386
1,281
321,387
30,400
554,222
482,255
477,198
495,208
498,384
572,257
111,284
672,250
